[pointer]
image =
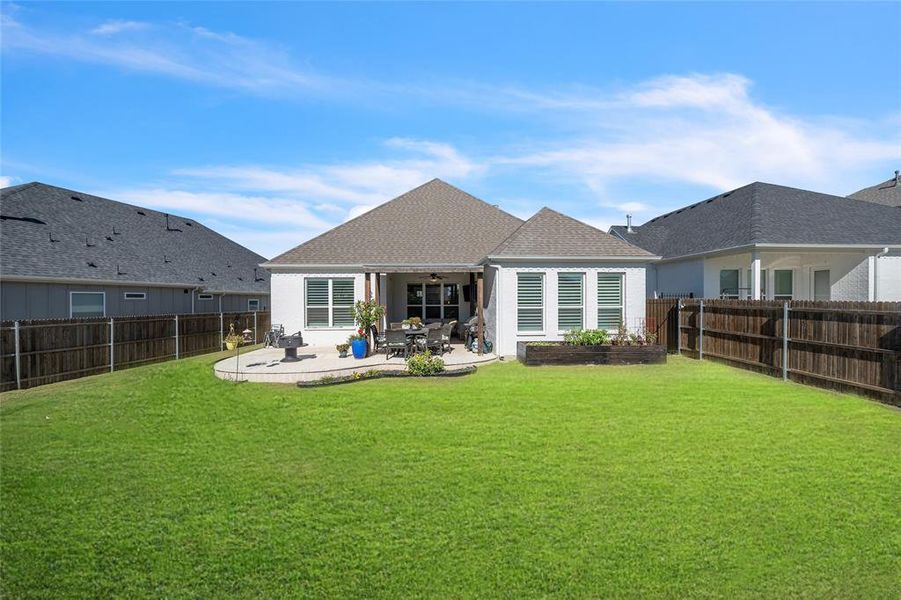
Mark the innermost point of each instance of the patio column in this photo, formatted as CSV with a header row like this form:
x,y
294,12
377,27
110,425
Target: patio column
x,y
367,287
479,310
755,275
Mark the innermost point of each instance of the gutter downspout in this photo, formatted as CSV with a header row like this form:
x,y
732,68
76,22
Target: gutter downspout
x,y
876,258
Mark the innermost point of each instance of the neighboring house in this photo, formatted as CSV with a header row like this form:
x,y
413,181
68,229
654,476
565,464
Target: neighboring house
x,y
69,254
775,242
435,250
887,192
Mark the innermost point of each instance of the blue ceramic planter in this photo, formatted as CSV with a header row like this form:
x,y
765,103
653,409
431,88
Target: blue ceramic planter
x,y
359,348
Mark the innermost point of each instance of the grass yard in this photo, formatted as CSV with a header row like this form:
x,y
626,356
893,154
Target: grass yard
x,y
690,479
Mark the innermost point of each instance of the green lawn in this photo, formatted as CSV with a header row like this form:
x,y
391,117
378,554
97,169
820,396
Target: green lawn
x,y
690,479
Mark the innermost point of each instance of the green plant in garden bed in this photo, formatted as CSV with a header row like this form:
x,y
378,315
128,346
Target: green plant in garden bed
x,y
423,363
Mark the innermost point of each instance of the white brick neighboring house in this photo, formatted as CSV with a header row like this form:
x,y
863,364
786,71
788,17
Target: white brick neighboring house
x,y
775,242
433,251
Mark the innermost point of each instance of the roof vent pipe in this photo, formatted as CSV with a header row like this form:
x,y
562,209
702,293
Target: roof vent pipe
x,y
897,178
629,224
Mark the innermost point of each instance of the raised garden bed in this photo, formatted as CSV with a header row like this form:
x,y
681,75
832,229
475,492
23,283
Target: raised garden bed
x,y
568,354
374,374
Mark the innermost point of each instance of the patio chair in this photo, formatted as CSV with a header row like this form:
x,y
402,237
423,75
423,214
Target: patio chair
x,y
446,333
270,339
432,340
395,342
378,340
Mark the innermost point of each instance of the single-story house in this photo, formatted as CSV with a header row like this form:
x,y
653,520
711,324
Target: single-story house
x,y
774,242
441,254
69,254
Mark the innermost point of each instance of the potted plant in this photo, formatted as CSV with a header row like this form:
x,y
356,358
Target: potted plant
x,y
342,350
415,322
366,313
232,340
405,324
358,344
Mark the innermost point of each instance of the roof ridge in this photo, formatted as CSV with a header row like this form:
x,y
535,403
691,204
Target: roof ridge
x,y
20,188
514,232
385,204
755,222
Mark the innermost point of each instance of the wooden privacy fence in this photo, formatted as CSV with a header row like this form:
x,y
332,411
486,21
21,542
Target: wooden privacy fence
x,y
849,346
34,353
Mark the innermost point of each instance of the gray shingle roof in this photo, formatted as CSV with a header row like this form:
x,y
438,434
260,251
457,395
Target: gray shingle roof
x,y
887,192
125,243
551,234
763,213
433,224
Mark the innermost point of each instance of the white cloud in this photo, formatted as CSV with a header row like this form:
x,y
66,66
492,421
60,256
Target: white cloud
x,y
181,51
5,181
115,26
350,188
629,207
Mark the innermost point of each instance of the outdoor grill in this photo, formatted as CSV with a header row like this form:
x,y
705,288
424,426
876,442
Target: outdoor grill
x,y
290,343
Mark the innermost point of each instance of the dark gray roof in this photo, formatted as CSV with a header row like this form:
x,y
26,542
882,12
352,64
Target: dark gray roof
x,y
763,213
551,234
887,192
126,243
433,224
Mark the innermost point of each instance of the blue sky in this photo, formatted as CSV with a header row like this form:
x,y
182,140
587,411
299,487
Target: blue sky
x,y
274,122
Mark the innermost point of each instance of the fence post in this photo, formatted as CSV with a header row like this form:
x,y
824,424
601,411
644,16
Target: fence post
x,y
785,341
112,346
701,336
176,337
679,327
18,359
221,343
254,327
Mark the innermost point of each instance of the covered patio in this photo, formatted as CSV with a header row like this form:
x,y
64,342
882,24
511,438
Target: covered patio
x,y
265,365
453,294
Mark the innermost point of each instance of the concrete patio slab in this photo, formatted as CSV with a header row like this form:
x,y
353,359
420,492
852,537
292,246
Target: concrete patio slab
x,y
265,365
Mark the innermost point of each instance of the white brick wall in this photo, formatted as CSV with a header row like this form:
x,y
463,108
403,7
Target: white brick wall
x,y
507,336
287,306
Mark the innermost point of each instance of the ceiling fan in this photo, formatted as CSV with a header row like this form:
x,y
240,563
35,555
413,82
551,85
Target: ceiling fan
x,y
433,277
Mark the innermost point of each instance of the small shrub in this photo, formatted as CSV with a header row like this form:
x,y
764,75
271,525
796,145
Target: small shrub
x,y
542,343
327,379
342,347
587,337
424,364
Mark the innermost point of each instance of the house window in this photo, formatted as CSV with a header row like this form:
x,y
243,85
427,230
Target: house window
x,y
253,304
204,296
433,301
610,300
729,283
762,283
530,302
135,296
87,304
570,301
782,284
329,302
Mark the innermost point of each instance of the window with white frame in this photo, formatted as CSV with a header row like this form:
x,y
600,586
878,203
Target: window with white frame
x,y
570,301
762,284
783,283
729,283
87,304
253,304
329,302
204,296
530,302
610,300
135,296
